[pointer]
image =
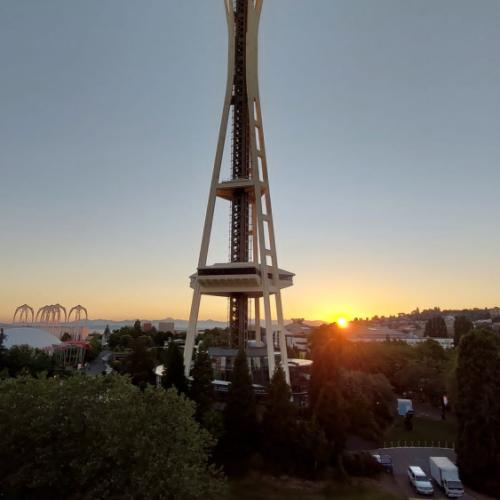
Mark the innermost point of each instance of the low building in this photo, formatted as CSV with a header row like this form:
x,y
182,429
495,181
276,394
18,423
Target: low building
x,y
297,335
166,326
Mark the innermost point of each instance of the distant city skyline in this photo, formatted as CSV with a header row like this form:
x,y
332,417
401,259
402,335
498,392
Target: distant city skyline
x,y
381,121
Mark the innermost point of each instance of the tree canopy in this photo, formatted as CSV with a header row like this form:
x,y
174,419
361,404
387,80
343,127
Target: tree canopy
x,y
240,418
202,390
173,375
478,409
461,326
101,437
24,359
279,424
436,327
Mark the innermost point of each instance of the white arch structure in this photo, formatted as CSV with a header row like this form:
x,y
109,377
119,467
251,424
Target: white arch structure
x,y
55,319
23,314
76,314
54,313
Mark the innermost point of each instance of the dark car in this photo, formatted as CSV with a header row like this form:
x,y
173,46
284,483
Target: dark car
x,y
385,461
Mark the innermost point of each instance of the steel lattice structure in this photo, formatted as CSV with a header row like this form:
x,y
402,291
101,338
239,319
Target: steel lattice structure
x,y
252,272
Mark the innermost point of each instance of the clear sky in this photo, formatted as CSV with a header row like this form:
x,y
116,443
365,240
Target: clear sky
x,y
382,124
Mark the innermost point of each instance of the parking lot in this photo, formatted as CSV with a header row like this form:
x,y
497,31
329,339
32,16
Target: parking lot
x,y
404,457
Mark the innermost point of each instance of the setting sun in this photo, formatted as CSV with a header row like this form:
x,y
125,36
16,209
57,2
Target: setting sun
x,y
342,322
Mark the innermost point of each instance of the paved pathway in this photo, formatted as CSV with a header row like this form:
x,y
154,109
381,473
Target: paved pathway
x,y
99,364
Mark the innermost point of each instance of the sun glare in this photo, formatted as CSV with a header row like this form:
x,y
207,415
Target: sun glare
x,y
342,322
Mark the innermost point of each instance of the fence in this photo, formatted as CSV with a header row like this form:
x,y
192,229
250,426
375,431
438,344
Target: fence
x,y
450,445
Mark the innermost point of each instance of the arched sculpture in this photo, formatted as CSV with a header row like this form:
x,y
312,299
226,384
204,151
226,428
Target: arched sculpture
x,y
76,314
23,314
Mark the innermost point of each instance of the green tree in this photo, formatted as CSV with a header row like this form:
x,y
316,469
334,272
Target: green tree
x,y
95,343
101,437
3,351
137,328
311,450
160,338
106,334
328,348
368,401
25,359
174,370
279,424
424,375
202,390
478,409
330,411
139,363
436,327
120,339
461,326
240,418
214,337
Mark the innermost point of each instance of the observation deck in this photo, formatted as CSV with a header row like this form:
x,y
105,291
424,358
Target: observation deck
x,y
245,277
226,189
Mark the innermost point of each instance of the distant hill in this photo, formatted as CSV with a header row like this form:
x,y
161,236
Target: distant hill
x,y
180,324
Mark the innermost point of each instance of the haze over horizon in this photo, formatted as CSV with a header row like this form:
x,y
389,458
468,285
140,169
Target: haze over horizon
x,y
382,133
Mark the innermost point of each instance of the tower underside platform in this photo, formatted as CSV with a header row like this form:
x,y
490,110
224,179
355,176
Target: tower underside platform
x,y
244,277
227,189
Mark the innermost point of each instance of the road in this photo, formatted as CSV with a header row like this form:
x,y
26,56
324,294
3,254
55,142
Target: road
x,y
99,364
404,457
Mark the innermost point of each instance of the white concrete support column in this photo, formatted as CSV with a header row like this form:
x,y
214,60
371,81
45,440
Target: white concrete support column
x,y
282,338
191,332
269,334
258,336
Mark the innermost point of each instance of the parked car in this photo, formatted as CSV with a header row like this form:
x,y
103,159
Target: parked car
x,y
419,480
385,461
445,473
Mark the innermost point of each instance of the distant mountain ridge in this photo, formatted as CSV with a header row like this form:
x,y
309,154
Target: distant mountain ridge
x,y
180,324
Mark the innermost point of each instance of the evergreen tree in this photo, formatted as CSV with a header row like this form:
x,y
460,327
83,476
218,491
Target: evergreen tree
x,y
461,326
478,409
139,363
3,350
137,328
202,390
279,424
174,370
106,335
436,327
330,412
240,418
328,346
310,449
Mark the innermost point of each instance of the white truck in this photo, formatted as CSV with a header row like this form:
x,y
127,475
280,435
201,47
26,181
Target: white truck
x,y
445,473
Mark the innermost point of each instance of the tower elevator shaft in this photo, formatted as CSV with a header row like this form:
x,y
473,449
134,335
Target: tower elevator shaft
x,y
240,169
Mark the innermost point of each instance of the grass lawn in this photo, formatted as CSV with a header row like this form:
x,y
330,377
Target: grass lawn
x,y
265,489
424,429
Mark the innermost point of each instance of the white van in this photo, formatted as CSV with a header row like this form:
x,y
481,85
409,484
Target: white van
x,y
419,480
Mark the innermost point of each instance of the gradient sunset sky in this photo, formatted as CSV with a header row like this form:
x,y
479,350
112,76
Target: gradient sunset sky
x,y
382,125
